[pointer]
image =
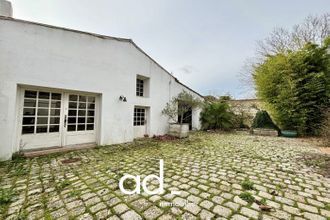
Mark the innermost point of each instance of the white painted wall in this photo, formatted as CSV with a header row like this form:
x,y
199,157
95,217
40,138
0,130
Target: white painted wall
x,y
37,55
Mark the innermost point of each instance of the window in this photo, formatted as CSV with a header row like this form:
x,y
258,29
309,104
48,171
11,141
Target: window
x,y
139,116
139,87
81,113
41,112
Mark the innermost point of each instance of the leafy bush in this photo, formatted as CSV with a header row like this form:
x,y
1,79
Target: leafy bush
x,y
217,115
295,86
263,120
180,105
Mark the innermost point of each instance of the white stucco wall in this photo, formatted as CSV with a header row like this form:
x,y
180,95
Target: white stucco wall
x,y
37,55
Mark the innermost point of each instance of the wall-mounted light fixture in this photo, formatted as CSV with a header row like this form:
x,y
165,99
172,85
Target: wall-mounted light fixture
x,y
122,98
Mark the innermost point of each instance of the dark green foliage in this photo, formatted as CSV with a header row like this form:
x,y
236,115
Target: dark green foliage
x,y
217,115
263,120
296,87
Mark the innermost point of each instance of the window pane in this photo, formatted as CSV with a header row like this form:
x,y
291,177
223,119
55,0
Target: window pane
x,y
54,128
30,94
91,99
30,103
81,112
55,104
81,120
82,98
28,120
43,112
73,97
91,106
55,112
42,120
71,127
90,113
43,103
28,130
41,129
81,127
82,105
72,112
72,120
72,104
54,120
44,95
29,111
90,127
56,96
90,120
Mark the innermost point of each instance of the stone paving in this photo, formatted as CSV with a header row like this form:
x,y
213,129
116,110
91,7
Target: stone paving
x,y
220,176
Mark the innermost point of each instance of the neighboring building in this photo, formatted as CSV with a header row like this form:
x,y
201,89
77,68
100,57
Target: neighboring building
x,y
249,106
61,87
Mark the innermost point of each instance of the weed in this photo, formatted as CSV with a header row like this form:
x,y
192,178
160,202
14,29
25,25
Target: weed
x,y
263,201
327,206
23,215
47,216
247,184
62,185
17,157
74,193
6,196
248,197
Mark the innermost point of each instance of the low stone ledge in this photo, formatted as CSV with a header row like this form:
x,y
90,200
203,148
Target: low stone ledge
x,y
265,132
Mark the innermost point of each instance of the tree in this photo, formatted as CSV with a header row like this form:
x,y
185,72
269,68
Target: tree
x,y
314,29
295,86
217,115
180,105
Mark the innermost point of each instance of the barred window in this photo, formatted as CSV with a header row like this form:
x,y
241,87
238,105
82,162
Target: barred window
x,y
139,87
139,116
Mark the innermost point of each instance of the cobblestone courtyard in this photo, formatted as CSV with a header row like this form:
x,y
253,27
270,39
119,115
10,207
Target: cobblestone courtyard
x,y
225,176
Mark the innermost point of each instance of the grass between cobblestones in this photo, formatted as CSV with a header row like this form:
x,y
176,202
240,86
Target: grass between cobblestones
x,y
219,175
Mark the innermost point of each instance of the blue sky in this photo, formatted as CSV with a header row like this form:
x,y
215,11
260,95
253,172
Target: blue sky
x,y
203,43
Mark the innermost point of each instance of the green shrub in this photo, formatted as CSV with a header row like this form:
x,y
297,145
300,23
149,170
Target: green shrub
x,y
295,86
217,115
263,120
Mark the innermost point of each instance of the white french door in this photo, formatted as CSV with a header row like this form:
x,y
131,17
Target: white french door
x,y
55,118
79,119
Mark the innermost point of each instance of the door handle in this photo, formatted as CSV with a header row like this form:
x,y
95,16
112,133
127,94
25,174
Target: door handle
x,y
65,119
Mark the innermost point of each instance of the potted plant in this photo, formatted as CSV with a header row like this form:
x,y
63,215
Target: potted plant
x,y
177,110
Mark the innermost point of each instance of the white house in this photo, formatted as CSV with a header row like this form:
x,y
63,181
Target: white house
x,y
62,87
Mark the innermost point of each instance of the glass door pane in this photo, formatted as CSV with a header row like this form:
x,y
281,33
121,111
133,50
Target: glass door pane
x,y
39,109
81,113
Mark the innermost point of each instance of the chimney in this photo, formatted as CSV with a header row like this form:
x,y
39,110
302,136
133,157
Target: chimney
x,y
5,8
